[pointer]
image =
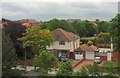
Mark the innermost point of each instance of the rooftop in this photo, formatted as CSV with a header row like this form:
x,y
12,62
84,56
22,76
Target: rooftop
x,y
62,35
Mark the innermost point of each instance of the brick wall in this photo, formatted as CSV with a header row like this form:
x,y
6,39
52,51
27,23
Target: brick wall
x,y
116,56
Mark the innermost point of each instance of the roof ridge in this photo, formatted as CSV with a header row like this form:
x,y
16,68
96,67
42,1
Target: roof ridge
x,y
64,33
81,48
92,47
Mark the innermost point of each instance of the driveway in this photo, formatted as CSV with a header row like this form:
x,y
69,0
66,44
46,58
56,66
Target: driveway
x,y
77,68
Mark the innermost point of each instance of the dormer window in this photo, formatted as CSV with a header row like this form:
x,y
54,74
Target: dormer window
x,y
61,42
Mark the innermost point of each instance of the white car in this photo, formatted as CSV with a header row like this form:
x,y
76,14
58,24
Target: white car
x,y
97,60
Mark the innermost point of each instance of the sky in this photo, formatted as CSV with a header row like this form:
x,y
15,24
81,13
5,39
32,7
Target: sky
x,y
44,10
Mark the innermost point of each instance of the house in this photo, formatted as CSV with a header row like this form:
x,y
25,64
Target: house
x,y
105,50
80,52
85,51
90,52
65,43
29,22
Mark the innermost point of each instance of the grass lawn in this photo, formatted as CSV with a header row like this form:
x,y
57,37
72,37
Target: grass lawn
x,y
111,64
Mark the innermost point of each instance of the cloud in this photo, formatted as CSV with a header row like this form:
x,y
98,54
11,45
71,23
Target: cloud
x,y
61,10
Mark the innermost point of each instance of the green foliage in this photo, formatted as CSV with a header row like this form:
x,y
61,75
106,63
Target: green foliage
x,y
103,26
65,69
15,29
111,64
8,56
83,72
111,68
55,23
81,42
45,61
90,70
115,32
82,28
36,38
90,42
9,73
8,51
103,38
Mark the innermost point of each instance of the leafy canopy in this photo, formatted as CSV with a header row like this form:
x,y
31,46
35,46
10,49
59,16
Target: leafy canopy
x,y
65,69
45,61
115,32
90,42
8,56
37,38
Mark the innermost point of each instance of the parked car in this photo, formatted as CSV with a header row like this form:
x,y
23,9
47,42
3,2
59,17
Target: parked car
x,y
63,58
97,60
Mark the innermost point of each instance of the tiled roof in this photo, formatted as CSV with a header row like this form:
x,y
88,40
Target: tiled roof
x,y
84,47
26,24
62,35
92,48
79,49
29,20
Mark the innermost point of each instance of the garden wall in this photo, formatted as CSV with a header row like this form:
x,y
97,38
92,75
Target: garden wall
x,y
116,56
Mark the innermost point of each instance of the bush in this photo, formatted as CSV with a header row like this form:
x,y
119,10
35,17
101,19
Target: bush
x,y
90,42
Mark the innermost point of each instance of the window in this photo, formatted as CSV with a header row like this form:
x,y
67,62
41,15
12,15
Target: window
x,y
77,53
80,53
61,42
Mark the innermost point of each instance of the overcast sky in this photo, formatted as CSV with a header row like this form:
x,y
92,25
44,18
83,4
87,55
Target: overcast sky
x,y
46,10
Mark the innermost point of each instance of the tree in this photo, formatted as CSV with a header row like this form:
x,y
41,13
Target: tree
x,y
103,38
115,32
103,26
83,72
65,69
90,42
84,28
90,70
45,61
8,56
37,38
55,23
14,29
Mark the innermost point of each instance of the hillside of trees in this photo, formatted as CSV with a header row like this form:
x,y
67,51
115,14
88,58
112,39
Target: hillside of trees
x,y
103,30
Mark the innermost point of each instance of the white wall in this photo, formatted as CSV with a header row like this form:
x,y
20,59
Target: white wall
x,y
56,45
69,45
109,56
78,55
89,55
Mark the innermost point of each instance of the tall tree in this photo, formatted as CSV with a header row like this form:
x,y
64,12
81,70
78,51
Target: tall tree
x,y
103,38
115,32
84,28
14,29
103,26
8,56
36,38
55,23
